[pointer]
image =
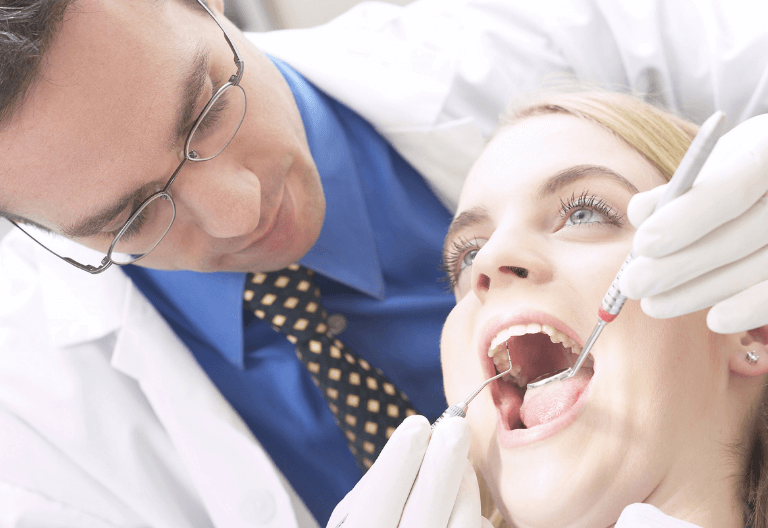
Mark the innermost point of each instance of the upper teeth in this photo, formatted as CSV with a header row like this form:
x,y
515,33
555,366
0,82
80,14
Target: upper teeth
x,y
555,336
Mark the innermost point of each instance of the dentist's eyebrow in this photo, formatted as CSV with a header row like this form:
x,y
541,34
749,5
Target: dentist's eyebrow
x,y
579,172
468,218
192,88
95,223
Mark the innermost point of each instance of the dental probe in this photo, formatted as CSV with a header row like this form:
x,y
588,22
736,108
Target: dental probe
x,y
686,173
460,409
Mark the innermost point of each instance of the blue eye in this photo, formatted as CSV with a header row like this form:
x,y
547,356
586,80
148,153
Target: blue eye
x,y
588,209
584,216
459,255
469,258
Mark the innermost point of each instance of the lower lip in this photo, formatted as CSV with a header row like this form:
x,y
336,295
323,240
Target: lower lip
x,y
513,438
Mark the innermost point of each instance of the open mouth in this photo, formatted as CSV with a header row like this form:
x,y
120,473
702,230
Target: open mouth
x,y
536,350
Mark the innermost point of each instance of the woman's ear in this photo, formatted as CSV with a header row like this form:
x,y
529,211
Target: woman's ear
x,y
751,357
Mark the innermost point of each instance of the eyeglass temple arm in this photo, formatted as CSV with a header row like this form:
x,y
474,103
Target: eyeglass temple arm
x,y
105,263
238,59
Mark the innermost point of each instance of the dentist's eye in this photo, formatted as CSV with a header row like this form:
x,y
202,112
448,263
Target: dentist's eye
x,y
588,209
459,256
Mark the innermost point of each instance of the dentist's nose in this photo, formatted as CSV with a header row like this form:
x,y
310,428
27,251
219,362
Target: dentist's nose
x,y
221,198
507,261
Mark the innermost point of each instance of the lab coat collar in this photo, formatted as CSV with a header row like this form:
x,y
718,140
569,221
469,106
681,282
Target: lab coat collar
x,y
79,307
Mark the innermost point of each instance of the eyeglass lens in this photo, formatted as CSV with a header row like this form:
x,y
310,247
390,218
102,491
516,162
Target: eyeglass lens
x,y
208,139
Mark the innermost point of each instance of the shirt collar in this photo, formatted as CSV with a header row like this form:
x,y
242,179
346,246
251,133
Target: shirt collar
x,y
346,250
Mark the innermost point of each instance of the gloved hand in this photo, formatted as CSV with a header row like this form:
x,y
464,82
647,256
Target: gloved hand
x,y
417,482
709,246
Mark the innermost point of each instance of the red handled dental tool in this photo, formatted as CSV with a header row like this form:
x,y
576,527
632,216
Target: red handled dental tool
x,y
686,173
460,409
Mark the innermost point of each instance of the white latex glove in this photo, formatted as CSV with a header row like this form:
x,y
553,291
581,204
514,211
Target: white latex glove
x,y
417,482
709,246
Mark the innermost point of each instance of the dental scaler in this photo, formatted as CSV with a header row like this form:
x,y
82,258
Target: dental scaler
x,y
681,181
460,409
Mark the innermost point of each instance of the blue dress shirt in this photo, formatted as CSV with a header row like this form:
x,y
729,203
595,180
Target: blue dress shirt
x,y
378,264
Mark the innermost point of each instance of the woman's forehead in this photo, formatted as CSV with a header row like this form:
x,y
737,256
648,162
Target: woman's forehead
x,y
522,156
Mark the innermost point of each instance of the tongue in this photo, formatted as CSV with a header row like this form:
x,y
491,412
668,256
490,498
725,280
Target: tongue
x,y
544,404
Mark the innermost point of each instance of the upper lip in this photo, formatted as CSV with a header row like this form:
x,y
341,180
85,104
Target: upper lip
x,y
497,323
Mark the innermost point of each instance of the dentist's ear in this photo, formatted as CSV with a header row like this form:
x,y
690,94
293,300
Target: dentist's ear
x,y
217,6
751,358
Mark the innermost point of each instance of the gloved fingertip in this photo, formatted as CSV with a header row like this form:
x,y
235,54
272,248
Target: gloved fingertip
x,y
453,432
642,205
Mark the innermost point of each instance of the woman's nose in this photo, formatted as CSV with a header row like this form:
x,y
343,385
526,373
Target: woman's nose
x,y
221,198
509,261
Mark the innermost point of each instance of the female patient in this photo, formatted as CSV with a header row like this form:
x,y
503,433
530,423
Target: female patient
x,y
664,412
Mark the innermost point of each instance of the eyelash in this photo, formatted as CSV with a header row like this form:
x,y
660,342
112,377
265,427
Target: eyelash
x,y
453,256
212,117
590,201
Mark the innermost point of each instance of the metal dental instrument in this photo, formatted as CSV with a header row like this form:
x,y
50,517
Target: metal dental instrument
x,y
460,409
681,181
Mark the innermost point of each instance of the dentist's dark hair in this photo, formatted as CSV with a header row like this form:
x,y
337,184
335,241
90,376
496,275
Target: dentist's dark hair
x,y
27,28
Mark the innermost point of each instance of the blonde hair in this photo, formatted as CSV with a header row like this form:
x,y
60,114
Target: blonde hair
x,y
662,138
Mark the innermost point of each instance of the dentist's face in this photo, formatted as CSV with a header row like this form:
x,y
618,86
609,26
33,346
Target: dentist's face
x,y
540,234
102,124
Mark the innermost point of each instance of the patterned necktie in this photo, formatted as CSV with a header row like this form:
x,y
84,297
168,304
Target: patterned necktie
x,y
367,406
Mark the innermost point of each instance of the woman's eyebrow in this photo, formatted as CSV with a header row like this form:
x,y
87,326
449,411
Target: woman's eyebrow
x,y
578,172
470,217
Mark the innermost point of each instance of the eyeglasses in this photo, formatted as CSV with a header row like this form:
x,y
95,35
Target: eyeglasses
x,y
211,132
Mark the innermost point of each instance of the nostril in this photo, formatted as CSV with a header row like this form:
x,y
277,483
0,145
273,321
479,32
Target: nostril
x,y
483,282
520,272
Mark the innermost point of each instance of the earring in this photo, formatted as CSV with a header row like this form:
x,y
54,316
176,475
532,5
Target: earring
x,y
752,357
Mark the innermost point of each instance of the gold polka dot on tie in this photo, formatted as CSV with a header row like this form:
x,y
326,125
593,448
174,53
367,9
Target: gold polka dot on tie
x,y
334,374
349,358
259,313
291,338
367,463
351,419
268,299
338,343
332,393
371,383
333,408
258,278
392,410
353,400
291,302
389,388
350,436
364,364
248,295
389,432
282,281
303,285
335,352
300,324
354,378
410,412
311,307
321,328
371,428
369,447
293,267
278,320
313,367
315,346
373,406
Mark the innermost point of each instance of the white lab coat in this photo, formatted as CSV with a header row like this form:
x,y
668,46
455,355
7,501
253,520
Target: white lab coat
x,y
106,420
